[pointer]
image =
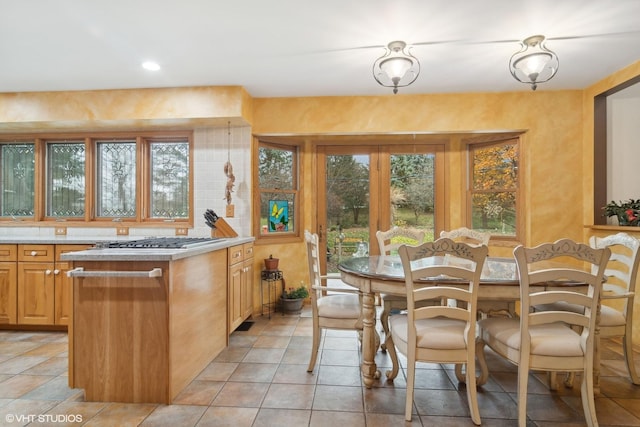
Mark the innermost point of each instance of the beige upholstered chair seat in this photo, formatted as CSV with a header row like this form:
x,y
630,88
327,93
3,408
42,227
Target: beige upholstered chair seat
x,y
436,334
611,317
341,306
608,316
554,339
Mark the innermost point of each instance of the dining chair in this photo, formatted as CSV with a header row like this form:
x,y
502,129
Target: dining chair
x,y
473,237
439,333
332,307
621,274
388,242
467,235
546,340
616,318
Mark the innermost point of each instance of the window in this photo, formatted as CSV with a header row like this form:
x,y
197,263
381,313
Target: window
x,y
138,178
17,182
278,191
116,174
66,191
169,197
493,187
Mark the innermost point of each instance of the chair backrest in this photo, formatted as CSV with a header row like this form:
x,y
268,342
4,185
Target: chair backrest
x,y
459,281
313,260
464,234
389,241
561,260
622,267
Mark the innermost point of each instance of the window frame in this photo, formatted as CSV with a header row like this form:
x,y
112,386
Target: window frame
x,y
294,235
492,141
143,140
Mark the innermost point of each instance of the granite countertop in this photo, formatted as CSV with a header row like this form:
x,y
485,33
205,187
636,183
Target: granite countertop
x,y
151,254
61,240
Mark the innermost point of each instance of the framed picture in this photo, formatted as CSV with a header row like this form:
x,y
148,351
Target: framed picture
x,y
278,216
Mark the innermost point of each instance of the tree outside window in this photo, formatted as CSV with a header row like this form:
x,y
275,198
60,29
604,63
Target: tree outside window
x,y
494,187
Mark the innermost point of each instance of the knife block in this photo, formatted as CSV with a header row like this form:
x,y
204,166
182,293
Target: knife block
x,y
223,229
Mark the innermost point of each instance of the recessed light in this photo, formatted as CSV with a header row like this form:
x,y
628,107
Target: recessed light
x,y
151,66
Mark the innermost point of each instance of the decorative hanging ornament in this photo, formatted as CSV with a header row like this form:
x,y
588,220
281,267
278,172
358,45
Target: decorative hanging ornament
x,y
228,169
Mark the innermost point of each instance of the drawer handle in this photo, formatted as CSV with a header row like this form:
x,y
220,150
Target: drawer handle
x,y
79,272
34,253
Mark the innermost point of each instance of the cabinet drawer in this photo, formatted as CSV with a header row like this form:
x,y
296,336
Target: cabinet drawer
x,y
8,252
235,254
38,253
247,249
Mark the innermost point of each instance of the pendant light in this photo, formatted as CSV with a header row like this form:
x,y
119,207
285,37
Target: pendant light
x,y
534,63
397,67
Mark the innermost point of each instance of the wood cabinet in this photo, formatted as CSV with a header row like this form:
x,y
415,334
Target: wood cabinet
x,y
8,284
247,286
43,289
240,293
63,285
35,284
143,339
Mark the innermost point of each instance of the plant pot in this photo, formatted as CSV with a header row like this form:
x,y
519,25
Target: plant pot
x,y
291,305
271,263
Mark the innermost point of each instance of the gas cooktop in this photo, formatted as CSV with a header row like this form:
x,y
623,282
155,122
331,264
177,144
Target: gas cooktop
x,y
159,243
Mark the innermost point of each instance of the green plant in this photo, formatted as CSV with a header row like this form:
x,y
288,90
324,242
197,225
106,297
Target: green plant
x,y
628,212
296,293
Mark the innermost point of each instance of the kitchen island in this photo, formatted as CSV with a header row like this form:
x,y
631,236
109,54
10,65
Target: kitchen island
x,y
146,322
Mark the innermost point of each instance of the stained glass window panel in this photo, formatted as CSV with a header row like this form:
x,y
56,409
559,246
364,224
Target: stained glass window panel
x,y
283,219
170,180
17,180
116,179
66,179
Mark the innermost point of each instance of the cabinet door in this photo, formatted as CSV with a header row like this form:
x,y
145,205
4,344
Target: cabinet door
x,y
235,296
35,293
247,289
63,284
8,289
63,288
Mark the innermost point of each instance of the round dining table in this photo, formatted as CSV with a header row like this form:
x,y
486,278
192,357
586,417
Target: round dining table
x,y
498,293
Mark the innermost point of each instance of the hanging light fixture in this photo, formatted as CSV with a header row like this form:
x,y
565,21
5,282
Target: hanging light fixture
x,y
534,63
397,67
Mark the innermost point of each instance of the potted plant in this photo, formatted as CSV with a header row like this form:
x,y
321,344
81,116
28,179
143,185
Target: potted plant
x,y
293,298
627,212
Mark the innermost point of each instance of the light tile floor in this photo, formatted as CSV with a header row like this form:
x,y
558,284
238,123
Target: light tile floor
x,y
261,380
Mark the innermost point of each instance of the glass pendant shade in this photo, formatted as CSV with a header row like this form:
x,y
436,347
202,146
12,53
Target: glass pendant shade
x,y
534,63
397,67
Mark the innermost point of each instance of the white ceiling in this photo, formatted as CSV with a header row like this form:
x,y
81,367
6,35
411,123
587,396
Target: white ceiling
x,y
283,48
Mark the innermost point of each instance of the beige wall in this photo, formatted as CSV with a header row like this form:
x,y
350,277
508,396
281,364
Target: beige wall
x,y
552,122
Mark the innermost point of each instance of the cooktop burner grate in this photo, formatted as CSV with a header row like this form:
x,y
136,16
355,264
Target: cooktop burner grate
x,y
159,243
